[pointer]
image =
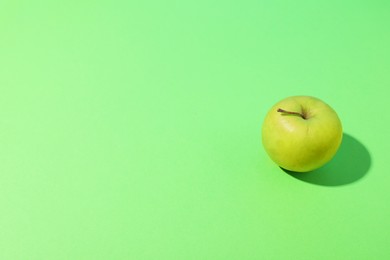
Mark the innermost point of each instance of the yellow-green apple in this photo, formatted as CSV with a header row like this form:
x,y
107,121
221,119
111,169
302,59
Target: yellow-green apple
x,y
301,133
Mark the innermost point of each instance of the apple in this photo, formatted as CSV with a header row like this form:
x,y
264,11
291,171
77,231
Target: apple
x,y
301,133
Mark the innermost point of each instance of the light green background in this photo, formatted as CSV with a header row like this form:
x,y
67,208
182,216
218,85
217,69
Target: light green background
x,y
131,129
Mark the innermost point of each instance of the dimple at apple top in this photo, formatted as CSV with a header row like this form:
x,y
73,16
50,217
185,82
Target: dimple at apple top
x,y
131,129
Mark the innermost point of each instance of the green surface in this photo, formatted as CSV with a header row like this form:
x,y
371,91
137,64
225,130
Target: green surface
x,y
131,129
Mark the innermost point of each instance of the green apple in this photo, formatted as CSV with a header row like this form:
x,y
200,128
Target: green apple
x,y
301,133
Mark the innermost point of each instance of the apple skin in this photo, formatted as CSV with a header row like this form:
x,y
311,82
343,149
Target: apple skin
x,y
301,144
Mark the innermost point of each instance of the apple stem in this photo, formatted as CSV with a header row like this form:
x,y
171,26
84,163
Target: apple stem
x,y
291,113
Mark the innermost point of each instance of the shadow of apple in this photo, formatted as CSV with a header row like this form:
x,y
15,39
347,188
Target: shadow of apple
x,y
351,163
